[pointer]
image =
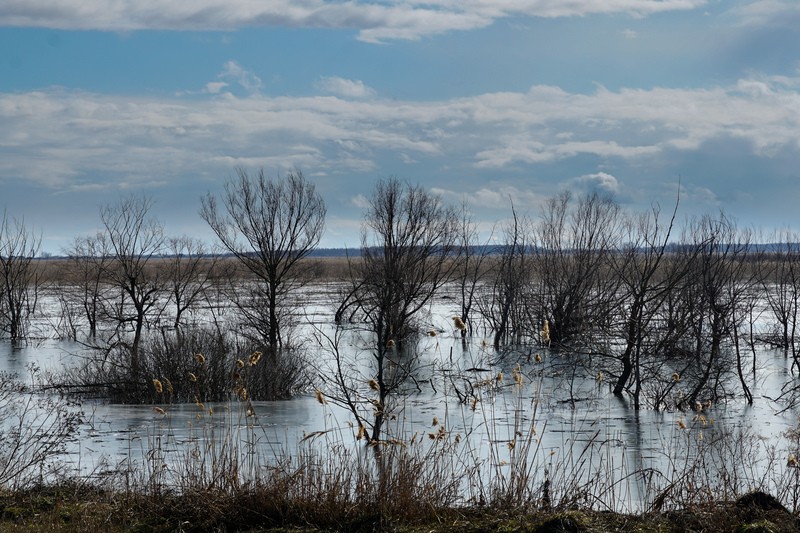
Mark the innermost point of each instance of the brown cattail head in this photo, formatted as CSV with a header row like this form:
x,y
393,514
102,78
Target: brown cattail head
x,y
320,397
255,357
239,363
158,386
373,384
458,323
159,411
200,358
390,343
192,377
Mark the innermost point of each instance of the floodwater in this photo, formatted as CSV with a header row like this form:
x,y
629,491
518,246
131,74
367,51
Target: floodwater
x,y
572,424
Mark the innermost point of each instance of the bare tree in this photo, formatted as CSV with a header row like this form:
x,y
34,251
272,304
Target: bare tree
x,y
504,308
190,273
89,258
781,287
134,238
18,276
408,246
719,252
270,226
471,270
573,248
645,284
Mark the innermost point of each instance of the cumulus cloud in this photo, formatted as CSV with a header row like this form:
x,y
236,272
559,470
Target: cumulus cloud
x,y
492,196
344,87
392,19
597,182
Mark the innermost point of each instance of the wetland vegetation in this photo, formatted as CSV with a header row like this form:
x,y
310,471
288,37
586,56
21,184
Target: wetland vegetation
x,y
448,380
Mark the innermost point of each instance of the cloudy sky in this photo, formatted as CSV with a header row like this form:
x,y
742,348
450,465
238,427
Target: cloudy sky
x,y
478,100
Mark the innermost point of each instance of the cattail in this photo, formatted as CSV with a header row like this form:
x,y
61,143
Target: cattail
x,y
200,358
169,386
435,422
459,324
158,386
474,403
250,412
373,385
362,432
210,411
518,377
511,444
699,407
320,397
192,377
792,462
680,423
255,357
239,363
545,333
499,377
538,358
159,411
599,377
432,333
390,343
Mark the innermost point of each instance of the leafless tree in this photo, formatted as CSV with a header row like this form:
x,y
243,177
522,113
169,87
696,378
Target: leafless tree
x,y
781,287
270,226
134,238
719,252
571,264
408,251
645,283
190,273
18,276
471,270
504,307
89,258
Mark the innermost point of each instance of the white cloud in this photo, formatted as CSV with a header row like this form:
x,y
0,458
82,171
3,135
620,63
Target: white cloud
x,y
233,71
760,13
598,181
344,87
360,201
214,87
392,19
67,138
492,196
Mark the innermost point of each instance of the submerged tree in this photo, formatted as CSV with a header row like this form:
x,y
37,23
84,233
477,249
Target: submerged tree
x,y
18,276
270,226
408,251
133,238
190,273
88,259
574,243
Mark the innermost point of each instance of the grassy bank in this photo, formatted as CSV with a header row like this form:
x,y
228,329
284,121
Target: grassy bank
x,y
80,507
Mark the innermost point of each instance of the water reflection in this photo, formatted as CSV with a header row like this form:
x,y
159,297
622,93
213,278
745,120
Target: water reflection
x,y
574,423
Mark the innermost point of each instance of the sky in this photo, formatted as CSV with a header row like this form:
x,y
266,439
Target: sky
x,y
480,101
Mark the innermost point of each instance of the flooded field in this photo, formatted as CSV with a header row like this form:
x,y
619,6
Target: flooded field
x,y
531,409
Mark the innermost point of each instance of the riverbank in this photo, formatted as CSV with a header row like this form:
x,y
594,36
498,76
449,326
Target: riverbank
x,y
81,507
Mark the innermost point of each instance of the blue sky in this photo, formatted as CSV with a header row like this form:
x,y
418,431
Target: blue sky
x,y
478,100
